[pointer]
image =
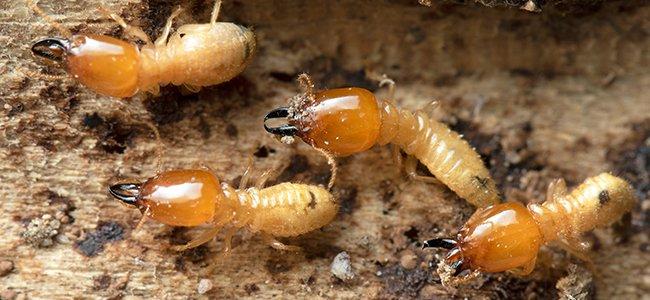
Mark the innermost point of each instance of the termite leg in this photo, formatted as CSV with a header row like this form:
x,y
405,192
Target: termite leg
x,y
397,156
42,76
215,12
162,40
526,269
243,182
556,189
192,88
430,108
64,31
275,244
261,181
577,247
203,238
160,147
227,241
131,30
410,166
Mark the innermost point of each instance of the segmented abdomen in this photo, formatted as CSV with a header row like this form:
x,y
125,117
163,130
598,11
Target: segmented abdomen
x,y
289,209
598,201
443,151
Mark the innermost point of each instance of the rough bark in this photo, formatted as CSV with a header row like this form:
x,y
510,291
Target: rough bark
x,y
561,93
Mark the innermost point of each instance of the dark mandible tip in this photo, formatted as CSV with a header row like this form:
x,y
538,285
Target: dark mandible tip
x,y
125,192
458,267
283,130
440,243
51,48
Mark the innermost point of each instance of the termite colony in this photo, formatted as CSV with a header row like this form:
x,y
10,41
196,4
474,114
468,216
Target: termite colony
x,y
338,122
499,236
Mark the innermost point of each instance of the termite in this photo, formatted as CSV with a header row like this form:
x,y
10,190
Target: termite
x,y
508,236
350,120
196,55
195,197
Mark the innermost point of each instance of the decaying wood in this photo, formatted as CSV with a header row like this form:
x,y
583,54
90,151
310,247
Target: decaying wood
x,y
561,93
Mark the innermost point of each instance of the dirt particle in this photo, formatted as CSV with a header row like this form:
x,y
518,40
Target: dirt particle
x,y
309,281
578,284
61,206
341,267
251,288
347,199
231,130
282,76
277,265
404,282
41,231
6,266
299,164
114,136
408,260
413,234
92,121
644,247
102,282
62,96
94,242
631,160
8,295
387,190
171,105
204,286
263,152
197,254
16,109
330,72
506,156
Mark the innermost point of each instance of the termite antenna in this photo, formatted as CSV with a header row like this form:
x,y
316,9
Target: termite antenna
x,y
160,147
145,213
382,80
282,130
38,75
125,192
307,87
332,162
440,243
64,31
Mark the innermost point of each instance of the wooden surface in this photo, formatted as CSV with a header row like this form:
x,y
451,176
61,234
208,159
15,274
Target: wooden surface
x,y
563,93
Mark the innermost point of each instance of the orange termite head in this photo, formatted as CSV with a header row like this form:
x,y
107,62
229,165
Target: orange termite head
x,y
341,121
496,238
177,198
106,65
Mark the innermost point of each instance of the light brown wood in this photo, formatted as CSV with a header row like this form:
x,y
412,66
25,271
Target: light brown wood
x,y
556,94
